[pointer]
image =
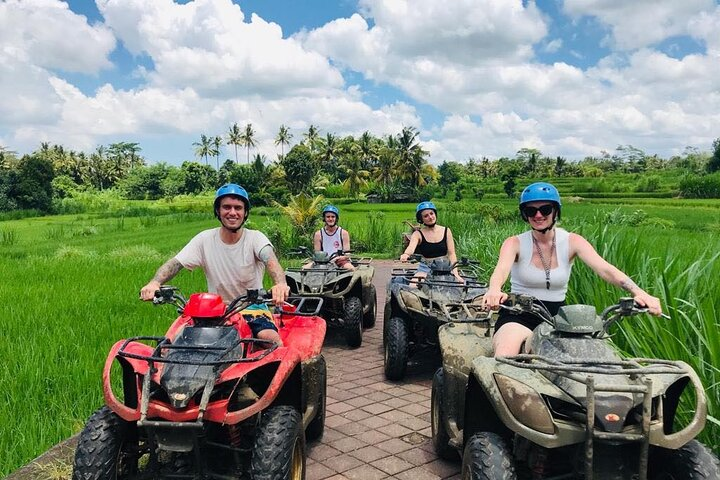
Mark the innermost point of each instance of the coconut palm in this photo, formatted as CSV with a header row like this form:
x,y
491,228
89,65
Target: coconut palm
x,y
283,138
355,176
203,147
234,138
330,149
411,156
311,137
216,143
248,139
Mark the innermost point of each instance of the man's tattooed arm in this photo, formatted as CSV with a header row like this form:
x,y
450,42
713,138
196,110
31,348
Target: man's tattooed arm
x,y
167,271
276,272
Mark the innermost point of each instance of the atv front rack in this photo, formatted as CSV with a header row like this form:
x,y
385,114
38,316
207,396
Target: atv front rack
x,y
465,312
583,371
163,343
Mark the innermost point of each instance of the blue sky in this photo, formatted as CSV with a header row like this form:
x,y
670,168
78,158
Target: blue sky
x,y
475,77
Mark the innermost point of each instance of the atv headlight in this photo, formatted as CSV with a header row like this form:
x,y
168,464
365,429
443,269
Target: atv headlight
x,y
526,405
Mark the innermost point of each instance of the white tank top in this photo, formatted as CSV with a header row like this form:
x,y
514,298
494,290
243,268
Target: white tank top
x,y
331,243
528,279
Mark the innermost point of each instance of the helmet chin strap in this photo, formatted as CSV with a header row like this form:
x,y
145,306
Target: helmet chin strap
x,y
431,225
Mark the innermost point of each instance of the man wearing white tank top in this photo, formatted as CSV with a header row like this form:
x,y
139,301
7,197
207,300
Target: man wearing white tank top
x,y
332,237
539,263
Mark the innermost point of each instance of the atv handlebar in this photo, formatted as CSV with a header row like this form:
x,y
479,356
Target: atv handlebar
x,y
626,307
301,306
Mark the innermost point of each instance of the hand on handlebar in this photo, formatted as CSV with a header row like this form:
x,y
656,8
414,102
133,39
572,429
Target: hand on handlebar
x,y
280,293
493,299
651,303
147,292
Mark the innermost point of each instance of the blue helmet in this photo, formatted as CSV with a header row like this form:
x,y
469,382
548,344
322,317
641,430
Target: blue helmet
x,y
331,209
424,206
232,189
538,192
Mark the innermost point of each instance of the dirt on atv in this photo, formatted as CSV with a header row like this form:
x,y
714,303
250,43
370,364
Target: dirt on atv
x,y
569,407
416,307
349,296
208,400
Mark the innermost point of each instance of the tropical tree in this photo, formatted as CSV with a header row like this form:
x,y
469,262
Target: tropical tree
x,y
299,168
330,148
411,156
355,175
283,138
311,137
248,139
203,147
234,138
303,212
386,160
367,146
216,143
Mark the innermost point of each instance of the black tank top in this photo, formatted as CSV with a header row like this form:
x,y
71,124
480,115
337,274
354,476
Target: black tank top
x,y
432,250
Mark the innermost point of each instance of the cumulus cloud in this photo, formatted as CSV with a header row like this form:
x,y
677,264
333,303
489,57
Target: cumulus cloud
x,y
639,23
208,45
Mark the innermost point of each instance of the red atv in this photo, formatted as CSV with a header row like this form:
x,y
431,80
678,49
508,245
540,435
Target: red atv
x,y
208,401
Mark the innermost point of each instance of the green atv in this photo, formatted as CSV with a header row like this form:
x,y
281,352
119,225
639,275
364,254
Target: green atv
x,y
416,308
570,409
349,297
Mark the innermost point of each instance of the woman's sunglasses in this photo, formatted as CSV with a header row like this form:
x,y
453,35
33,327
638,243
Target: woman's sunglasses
x,y
544,210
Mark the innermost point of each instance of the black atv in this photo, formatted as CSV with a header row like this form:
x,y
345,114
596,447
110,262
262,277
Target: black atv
x,y
415,308
349,297
571,407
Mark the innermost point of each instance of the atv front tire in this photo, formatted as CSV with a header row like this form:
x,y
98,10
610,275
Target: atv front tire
x,y
369,317
279,450
396,348
106,448
440,437
353,321
316,427
692,461
487,457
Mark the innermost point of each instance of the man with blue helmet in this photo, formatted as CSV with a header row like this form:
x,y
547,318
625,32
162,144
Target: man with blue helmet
x,y
431,241
539,262
233,258
331,237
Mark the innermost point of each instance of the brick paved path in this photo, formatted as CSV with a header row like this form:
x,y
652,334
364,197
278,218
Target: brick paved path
x,y
375,429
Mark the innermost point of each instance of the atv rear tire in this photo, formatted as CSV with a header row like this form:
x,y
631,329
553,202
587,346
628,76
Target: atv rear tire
x,y
369,317
440,437
353,322
692,461
396,348
105,447
279,450
316,427
487,457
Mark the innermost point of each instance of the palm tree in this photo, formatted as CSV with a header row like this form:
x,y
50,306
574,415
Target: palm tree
x,y
283,138
311,136
248,139
329,150
355,176
202,148
303,212
411,156
234,138
216,143
368,150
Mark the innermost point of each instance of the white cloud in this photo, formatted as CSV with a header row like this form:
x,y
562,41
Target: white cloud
x,y
48,35
207,45
639,23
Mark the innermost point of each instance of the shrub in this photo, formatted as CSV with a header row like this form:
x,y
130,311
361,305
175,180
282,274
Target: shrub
x,y
695,186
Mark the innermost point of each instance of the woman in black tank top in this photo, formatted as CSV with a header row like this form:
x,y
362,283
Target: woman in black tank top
x,y
425,241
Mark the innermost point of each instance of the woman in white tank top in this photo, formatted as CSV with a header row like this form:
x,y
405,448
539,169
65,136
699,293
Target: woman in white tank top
x,y
539,263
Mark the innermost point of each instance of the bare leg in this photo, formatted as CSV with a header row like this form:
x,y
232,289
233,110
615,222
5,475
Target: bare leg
x,y
509,338
271,335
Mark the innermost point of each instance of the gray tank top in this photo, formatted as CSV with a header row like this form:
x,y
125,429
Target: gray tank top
x,y
528,279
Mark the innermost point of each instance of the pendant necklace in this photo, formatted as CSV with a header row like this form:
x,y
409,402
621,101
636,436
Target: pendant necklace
x,y
546,265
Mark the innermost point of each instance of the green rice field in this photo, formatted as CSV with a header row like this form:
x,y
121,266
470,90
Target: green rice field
x,y
69,289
